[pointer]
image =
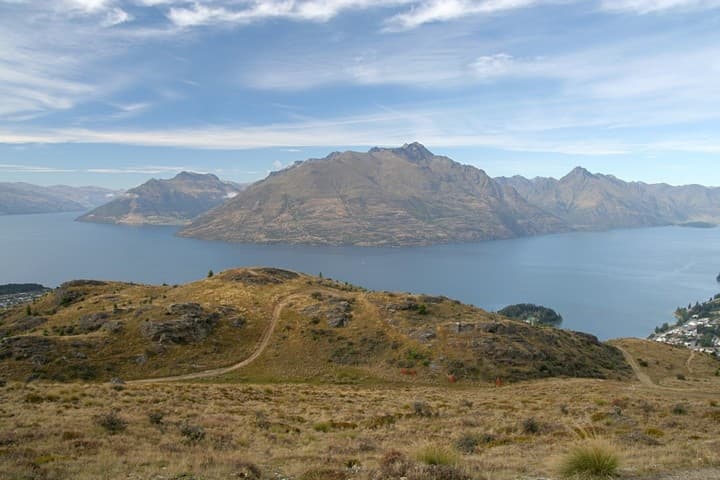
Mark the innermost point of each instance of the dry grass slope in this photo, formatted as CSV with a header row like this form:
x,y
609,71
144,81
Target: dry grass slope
x,y
300,328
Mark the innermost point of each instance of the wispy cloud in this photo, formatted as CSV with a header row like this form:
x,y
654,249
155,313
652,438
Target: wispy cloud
x,y
389,128
650,6
307,10
430,11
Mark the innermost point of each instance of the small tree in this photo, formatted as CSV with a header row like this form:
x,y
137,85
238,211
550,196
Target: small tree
x,y
210,273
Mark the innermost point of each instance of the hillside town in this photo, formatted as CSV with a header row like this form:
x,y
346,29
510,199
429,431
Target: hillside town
x,y
697,328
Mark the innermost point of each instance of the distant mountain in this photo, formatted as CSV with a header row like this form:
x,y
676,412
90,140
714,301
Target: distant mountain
x,y
23,198
387,196
587,201
173,201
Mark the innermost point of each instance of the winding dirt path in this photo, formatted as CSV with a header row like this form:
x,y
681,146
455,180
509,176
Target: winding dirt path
x,y
646,381
643,377
265,339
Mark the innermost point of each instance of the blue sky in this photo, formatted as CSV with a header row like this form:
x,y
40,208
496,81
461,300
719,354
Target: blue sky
x,y
112,92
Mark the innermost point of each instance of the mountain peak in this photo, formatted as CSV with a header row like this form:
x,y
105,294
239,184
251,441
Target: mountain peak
x,y
415,151
578,172
412,151
184,175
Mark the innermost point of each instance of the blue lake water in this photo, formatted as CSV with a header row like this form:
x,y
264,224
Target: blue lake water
x,y
611,284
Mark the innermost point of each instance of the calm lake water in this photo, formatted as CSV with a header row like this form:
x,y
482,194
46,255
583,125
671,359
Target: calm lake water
x,y
611,284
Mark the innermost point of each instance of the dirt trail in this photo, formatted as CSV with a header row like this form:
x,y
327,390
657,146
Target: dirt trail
x,y
641,376
689,360
223,370
264,341
646,381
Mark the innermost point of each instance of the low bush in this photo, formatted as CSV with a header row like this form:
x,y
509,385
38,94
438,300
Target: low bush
x,y
394,465
467,443
111,422
531,426
192,433
679,409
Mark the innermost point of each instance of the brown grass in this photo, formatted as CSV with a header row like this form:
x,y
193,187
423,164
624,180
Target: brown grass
x,y
273,427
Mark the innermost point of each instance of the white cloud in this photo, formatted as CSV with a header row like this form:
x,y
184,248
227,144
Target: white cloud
x,y
308,10
429,11
115,16
649,6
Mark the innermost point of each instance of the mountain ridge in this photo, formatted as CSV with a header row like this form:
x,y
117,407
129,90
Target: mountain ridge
x,y
19,198
387,196
173,201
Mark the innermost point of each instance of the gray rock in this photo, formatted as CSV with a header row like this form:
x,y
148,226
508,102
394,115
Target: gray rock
x,y
190,325
92,322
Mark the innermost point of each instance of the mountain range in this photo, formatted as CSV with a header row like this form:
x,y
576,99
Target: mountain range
x,y
408,196
173,201
385,197
25,198
586,201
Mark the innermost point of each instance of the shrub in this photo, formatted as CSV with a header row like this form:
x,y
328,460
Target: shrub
x,y
680,376
247,470
437,455
192,433
593,459
679,409
531,426
422,409
111,422
156,418
439,472
467,443
394,465
322,427
323,474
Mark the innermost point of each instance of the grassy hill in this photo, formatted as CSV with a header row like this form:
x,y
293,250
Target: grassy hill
x,y
307,328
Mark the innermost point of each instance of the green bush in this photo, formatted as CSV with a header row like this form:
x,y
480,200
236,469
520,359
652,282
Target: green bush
x,y
594,459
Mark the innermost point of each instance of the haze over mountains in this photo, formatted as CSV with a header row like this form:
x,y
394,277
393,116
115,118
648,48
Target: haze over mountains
x,y
24,198
587,201
408,196
173,201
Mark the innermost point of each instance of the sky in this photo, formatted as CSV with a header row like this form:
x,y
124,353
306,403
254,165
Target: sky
x,y
113,92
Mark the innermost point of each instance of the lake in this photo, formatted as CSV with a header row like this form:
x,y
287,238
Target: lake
x,y
612,284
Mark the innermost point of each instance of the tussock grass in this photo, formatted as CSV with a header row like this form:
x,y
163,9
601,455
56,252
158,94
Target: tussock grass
x,y
592,459
433,454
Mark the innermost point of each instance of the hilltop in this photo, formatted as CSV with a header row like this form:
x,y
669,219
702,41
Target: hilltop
x,y
173,201
386,196
309,329
24,198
